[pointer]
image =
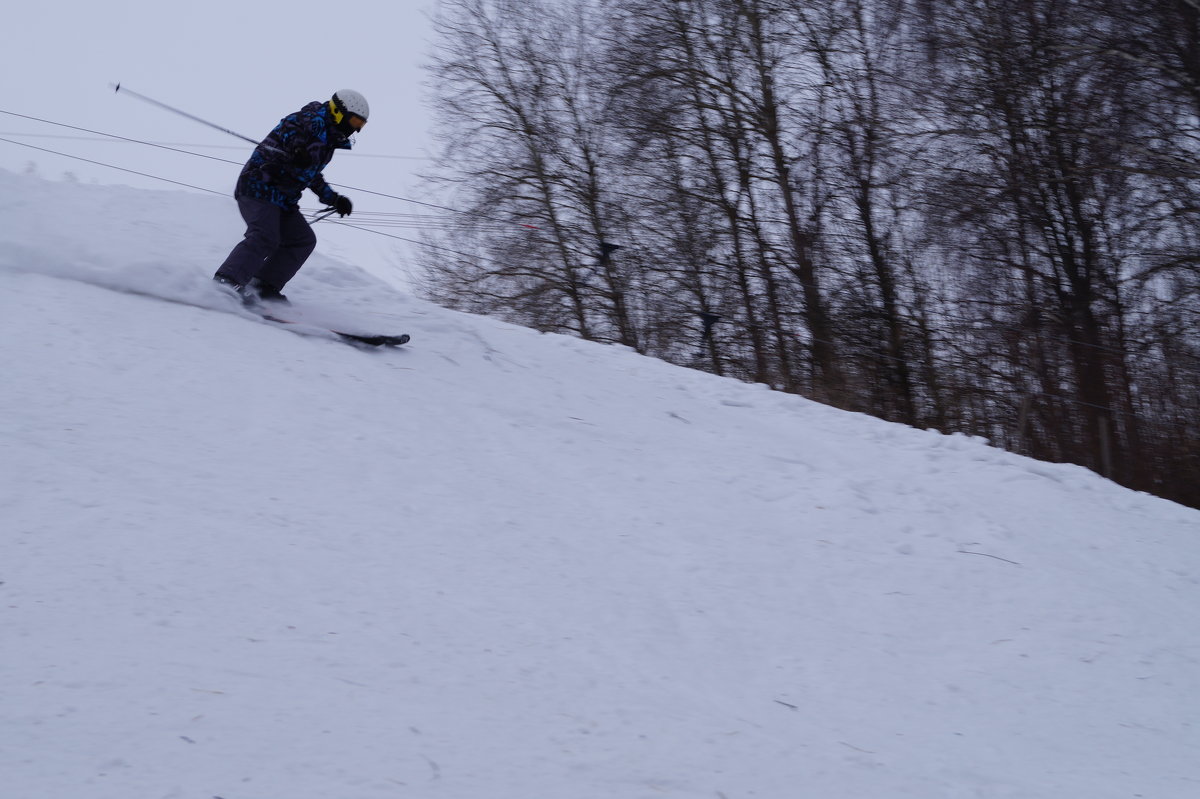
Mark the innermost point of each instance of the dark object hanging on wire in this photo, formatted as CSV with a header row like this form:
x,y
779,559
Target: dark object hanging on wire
x,y
709,320
606,250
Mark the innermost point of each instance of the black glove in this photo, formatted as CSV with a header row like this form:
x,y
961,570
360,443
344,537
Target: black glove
x,y
343,205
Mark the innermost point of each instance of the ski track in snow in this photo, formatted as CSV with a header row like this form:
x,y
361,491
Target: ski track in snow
x,y
247,564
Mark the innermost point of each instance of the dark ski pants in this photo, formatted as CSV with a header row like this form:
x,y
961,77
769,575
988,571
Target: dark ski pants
x,y
278,241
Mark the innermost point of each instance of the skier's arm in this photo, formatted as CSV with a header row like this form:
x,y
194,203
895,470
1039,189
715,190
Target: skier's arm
x,y
324,192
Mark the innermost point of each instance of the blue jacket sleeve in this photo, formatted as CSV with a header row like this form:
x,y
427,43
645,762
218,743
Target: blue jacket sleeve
x,y
323,190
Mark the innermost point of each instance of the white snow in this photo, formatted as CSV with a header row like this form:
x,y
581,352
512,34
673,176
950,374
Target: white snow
x,y
242,563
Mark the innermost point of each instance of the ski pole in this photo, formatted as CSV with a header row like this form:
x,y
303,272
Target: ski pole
x,y
152,101
319,217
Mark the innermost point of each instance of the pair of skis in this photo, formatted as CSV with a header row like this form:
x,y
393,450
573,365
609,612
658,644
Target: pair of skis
x,y
254,304
365,339
256,307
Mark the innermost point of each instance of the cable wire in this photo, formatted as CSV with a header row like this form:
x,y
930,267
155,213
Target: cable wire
x,y
202,155
111,166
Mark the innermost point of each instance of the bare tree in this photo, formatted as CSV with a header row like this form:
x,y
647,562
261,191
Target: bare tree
x,y
976,215
526,146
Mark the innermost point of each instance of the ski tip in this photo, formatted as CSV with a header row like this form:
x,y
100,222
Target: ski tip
x,y
374,341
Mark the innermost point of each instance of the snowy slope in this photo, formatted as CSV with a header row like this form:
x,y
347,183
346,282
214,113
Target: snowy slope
x,y
241,563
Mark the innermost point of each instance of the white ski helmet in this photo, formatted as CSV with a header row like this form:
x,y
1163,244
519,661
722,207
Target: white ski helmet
x,y
346,103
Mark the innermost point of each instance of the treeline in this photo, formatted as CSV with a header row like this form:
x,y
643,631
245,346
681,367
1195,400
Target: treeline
x,y
969,215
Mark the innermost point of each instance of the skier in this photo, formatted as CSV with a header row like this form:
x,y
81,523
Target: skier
x,y
278,238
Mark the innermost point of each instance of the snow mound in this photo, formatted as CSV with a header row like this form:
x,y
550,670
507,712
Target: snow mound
x,y
246,564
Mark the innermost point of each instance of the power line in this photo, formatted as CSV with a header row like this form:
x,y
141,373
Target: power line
x,y
223,194
111,166
402,238
199,155
112,136
108,138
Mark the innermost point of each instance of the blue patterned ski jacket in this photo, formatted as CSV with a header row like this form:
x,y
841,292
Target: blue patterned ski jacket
x,y
291,157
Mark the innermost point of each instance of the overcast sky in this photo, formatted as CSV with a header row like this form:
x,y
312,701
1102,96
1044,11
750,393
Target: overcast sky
x,y
242,65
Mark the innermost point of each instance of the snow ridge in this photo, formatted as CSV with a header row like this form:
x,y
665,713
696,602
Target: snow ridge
x,y
246,564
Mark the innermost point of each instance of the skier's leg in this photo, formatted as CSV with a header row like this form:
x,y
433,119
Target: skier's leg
x,y
261,242
296,244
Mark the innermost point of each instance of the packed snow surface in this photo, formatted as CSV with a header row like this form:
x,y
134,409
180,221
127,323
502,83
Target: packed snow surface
x,y
243,563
